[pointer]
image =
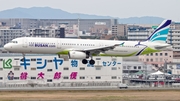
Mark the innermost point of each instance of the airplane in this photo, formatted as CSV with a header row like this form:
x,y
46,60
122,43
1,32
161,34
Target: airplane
x,y
84,49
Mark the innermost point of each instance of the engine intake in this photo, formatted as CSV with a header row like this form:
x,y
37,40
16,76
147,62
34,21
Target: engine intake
x,y
77,55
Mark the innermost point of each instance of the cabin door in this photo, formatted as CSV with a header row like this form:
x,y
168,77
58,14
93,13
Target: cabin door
x,y
100,44
59,44
25,43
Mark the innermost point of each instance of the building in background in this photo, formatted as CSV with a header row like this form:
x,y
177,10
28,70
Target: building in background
x,y
174,40
6,35
99,28
157,59
175,25
139,33
135,66
49,69
119,29
174,67
84,24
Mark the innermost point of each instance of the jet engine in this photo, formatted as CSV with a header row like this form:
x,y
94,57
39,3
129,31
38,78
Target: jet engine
x,y
77,55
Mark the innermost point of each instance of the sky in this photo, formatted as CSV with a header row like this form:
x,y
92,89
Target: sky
x,y
168,9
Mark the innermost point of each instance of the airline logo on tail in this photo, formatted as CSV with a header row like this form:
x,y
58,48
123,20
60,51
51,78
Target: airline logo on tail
x,y
161,32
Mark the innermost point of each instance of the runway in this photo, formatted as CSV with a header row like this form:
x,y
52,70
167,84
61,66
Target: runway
x,y
85,88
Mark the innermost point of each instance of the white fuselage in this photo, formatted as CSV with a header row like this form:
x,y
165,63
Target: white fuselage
x,y
56,45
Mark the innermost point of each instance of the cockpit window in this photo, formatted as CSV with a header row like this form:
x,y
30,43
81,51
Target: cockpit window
x,y
13,42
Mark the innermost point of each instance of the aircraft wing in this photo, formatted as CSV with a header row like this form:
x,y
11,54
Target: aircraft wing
x,y
99,49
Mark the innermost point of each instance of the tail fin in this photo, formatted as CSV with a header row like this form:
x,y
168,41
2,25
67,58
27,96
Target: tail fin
x,y
161,32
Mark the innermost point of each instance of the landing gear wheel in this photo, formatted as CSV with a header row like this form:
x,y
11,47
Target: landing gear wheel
x,y
91,62
84,61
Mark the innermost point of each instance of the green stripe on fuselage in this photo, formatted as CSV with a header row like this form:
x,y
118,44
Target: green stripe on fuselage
x,y
149,50
146,51
65,52
127,55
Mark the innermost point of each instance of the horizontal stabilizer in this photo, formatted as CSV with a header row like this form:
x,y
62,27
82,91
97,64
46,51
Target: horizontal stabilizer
x,y
162,46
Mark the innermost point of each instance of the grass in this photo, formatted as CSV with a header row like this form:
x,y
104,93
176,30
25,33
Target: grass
x,y
88,95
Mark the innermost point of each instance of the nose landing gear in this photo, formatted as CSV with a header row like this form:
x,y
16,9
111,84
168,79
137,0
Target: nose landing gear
x,y
23,57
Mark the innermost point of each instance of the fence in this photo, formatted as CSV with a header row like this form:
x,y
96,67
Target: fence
x,y
62,84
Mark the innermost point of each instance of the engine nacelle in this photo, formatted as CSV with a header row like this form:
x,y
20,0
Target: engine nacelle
x,y
77,55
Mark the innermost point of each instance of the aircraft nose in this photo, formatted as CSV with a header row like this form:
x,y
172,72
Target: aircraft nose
x,y
7,46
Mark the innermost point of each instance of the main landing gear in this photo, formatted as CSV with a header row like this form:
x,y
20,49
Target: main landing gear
x,y
91,62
